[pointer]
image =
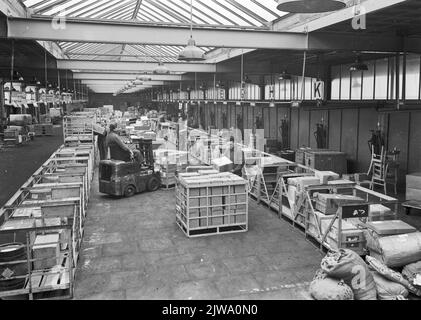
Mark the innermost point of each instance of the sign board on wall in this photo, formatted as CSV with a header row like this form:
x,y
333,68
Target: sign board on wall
x,y
319,90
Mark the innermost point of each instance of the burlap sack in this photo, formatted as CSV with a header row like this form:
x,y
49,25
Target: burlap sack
x,y
388,290
347,265
330,289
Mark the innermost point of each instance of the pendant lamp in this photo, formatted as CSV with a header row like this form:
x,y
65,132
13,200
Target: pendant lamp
x,y
161,69
191,52
285,76
358,65
310,6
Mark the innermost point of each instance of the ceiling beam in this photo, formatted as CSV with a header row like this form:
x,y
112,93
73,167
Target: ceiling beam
x,y
124,77
132,66
119,83
13,8
137,33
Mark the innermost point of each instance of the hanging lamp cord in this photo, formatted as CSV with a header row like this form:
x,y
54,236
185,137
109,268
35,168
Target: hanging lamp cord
x,y
191,18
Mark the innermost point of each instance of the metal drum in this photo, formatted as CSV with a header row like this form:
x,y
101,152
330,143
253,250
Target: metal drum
x,y
9,254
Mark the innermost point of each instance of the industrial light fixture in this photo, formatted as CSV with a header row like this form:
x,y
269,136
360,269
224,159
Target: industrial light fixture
x,y
285,76
191,52
358,65
143,78
272,104
310,6
161,69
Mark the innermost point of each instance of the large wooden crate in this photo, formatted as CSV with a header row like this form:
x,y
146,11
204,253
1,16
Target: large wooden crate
x,y
210,204
326,161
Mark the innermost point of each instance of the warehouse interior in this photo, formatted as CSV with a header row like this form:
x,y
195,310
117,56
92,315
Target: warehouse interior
x,y
309,93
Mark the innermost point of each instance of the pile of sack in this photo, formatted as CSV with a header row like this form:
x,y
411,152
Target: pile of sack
x,y
344,275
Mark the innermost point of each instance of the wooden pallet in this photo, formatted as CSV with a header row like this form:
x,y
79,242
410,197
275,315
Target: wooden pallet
x,y
211,231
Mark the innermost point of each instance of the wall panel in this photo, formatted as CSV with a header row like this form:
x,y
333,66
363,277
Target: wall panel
x,y
414,164
349,141
274,124
295,128
303,135
368,121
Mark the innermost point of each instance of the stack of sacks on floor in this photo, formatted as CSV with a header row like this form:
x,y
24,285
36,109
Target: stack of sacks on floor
x,y
392,285
342,272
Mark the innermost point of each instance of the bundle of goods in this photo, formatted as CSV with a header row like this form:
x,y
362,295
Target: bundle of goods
x,y
350,235
222,164
301,182
329,203
324,288
326,176
394,242
394,277
20,120
347,266
379,212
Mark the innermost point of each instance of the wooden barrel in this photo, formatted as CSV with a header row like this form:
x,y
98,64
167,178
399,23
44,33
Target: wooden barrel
x,y
12,252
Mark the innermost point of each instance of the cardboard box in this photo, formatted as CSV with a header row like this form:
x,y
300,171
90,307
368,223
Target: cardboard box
x,y
329,203
47,248
326,176
222,164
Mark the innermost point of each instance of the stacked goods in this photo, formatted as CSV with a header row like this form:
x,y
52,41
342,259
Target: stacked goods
x,y
211,203
392,275
393,243
222,164
301,182
20,120
413,186
43,129
329,203
379,212
348,266
47,216
349,236
326,160
326,176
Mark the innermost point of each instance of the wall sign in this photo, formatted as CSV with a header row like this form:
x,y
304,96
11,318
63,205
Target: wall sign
x,y
319,90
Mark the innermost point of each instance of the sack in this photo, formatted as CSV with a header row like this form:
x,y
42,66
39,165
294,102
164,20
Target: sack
x,y
391,275
320,275
388,290
330,289
411,270
395,251
347,265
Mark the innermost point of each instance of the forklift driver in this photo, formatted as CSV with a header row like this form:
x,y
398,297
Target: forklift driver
x,y
118,150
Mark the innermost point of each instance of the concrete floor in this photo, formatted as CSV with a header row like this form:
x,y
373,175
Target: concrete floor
x,y
134,250
17,164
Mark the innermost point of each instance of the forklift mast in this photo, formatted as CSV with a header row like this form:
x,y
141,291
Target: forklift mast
x,y
145,148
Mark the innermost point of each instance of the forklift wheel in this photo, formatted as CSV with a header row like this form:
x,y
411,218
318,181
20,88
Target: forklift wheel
x,y
130,191
153,184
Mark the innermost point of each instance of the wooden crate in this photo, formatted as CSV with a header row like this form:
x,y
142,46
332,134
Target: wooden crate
x,y
326,161
43,129
211,204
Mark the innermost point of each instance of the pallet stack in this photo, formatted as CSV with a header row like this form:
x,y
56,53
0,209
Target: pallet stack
x,y
211,203
45,222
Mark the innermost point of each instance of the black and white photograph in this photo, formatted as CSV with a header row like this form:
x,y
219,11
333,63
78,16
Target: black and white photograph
x,y
207,156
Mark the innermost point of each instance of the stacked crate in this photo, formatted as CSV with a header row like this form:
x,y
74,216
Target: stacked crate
x,y
43,129
211,203
46,218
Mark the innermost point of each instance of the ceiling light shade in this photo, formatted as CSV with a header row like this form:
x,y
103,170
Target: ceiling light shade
x,y
310,6
358,65
144,78
285,76
191,52
161,69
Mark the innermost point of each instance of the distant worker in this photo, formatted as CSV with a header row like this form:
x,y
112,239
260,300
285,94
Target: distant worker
x,y
234,153
119,150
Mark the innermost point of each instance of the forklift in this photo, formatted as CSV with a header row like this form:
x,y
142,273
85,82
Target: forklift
x,y
125,179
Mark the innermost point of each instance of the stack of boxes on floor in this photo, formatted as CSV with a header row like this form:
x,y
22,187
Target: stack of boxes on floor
x,y
209,202
46,218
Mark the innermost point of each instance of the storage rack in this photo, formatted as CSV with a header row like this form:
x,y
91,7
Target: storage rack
x,y
52,201
78,129
210,204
